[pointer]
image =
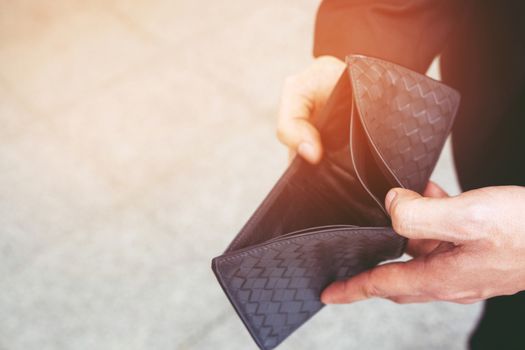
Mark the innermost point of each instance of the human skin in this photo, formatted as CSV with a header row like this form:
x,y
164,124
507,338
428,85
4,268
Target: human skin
x,y
465,248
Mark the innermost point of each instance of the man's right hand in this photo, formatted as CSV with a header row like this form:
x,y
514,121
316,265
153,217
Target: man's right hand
x,y
303,96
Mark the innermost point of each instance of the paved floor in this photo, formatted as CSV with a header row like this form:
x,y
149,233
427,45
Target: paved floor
x,y
136,137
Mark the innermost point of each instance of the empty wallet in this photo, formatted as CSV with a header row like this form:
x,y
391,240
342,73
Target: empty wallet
x,y
383,126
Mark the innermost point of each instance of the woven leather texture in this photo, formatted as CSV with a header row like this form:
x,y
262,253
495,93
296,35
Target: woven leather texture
x,y
274,277
276,286
407,115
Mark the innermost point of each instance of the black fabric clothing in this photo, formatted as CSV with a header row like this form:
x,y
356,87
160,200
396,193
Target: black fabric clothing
x,y
482,48
409,33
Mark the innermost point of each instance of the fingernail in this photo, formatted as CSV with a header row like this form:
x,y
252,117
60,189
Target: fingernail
x,y
306,150
389,198
326,298
332,293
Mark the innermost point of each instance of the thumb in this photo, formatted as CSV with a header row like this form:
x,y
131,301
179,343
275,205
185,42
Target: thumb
x,y
302,137
417,217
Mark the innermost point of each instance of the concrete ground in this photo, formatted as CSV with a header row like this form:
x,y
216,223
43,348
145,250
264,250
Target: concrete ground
x,y
136,137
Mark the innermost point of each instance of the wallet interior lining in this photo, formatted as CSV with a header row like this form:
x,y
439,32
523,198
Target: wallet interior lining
x,y
329,193
367,165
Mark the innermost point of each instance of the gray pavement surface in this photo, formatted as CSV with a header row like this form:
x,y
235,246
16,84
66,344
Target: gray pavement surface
x,y
136,137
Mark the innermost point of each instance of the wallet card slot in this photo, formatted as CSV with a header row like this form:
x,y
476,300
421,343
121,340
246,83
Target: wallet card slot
x,y
340,138
405,115
341,173
368,166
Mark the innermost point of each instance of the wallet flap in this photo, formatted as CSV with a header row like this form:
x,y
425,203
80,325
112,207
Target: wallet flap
x,y
406,115
275,286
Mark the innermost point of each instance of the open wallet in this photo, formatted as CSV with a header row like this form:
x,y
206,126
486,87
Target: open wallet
x,y
383,126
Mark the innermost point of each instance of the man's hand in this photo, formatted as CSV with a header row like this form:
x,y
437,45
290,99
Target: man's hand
x,y
466,248
303,96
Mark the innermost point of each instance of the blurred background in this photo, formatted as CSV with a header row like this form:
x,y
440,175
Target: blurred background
x,y
136,137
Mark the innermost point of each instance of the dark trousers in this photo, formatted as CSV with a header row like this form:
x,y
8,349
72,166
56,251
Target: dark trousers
x,y
485,60
482,47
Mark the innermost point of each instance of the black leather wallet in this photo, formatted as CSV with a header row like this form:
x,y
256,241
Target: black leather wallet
x,y
383,126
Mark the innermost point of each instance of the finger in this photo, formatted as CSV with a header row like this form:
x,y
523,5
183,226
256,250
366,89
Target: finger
x,y
434,190
386,281
301,137
419,247
294,128
417,217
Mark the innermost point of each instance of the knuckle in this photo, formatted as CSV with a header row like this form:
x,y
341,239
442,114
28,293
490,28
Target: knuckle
x,y
474,219
441,291
480,224
371,291
370,287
